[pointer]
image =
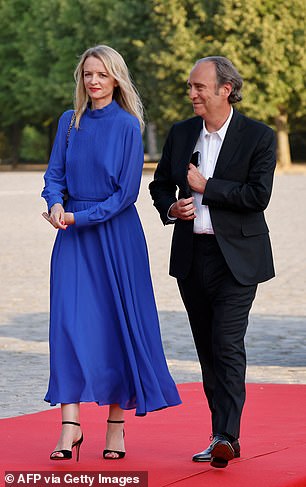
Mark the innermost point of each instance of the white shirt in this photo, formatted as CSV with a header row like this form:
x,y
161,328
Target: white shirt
x,y
209,145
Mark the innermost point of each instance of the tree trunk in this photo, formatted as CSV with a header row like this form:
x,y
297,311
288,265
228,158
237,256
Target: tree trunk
x,y
51,136
283,146
152,141
15,134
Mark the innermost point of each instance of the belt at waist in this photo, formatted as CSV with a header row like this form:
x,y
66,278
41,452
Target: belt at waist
x,y
86,200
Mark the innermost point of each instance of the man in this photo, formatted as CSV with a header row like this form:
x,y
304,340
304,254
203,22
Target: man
x,y
222,163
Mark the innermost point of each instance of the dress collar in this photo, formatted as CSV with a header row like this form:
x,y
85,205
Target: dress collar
x,y
101,112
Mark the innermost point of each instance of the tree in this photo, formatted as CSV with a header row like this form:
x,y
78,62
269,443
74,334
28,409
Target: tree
x,y
41,41
158,39
266,41
11,121
166,57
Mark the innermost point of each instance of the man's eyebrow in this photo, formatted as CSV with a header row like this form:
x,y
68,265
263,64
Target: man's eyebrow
x,y
189,84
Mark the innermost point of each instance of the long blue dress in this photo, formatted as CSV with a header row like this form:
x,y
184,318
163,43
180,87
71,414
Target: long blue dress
x,y
105,343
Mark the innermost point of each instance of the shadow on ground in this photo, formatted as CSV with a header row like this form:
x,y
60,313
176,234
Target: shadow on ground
x,y
271,341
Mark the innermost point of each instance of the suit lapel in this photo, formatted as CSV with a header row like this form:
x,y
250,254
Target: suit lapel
x,y
230,144
194,129
192,135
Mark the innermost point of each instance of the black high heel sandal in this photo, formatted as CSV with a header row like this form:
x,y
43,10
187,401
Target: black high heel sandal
x,y
67,454
121,454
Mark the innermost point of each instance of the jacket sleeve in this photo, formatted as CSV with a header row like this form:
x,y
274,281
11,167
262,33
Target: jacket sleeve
x,y
253,194
128,183
162,189
55,176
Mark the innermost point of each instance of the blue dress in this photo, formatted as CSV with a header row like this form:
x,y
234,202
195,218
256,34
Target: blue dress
x,y
105,343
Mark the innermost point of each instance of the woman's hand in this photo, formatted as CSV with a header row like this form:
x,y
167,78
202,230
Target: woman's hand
x,y
58,218
69,218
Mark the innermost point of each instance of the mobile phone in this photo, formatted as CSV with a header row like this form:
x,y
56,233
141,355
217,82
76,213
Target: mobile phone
x,y
195,159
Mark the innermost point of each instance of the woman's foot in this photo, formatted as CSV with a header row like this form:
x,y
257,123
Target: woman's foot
x,y
114,440
71,435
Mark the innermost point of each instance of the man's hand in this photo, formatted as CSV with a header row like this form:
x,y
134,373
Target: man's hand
x,y
196,181
183,209
58,218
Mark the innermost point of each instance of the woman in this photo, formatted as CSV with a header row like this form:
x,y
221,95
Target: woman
x,y
105,343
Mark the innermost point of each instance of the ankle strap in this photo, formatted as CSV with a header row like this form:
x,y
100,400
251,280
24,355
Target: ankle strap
x,y
71,422
111,421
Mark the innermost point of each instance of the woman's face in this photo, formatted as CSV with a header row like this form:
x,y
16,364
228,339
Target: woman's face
x,y
99,84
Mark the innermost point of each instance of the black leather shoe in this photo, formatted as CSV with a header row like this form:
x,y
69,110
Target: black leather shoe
x,y
222,452
205,455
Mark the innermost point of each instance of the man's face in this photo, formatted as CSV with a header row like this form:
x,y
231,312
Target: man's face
x,y
206,99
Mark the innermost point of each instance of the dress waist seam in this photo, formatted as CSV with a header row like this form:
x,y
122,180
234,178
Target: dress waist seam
x,y
86,200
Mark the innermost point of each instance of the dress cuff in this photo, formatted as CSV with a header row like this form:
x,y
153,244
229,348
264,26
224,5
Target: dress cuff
x,y
53,201
81,218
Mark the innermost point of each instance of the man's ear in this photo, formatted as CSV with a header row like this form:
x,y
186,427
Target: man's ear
x,y
226,89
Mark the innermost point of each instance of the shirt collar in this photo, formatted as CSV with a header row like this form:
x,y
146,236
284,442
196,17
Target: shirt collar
x,y
222,131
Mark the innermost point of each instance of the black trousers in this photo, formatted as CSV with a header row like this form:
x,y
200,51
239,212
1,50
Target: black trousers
x,y
218,308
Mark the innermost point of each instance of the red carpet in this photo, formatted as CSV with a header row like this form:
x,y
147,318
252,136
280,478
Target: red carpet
x,y
273,442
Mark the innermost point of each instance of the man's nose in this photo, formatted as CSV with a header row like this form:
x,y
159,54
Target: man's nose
x,y
192,93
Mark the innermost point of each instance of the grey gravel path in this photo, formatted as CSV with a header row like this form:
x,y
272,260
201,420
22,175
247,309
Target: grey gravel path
x,y
276,338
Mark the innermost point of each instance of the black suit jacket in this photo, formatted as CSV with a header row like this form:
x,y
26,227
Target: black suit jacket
x,y
237,196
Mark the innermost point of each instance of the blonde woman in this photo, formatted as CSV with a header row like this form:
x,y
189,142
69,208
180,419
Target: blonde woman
x,y
105,343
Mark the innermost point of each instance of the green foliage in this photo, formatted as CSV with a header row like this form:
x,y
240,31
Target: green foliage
x,y
266,41
33,145
41,41
10,59
166,56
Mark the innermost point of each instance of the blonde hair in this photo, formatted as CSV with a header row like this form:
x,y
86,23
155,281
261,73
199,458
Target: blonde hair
x,y
125,94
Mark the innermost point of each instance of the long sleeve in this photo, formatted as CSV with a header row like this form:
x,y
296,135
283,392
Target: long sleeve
x,y
127,186
163,189
55,176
